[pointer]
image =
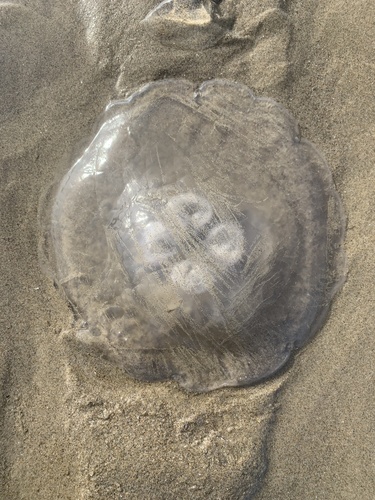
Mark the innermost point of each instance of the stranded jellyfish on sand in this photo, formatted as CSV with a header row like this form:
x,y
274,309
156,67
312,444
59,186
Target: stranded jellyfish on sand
x,y
198,237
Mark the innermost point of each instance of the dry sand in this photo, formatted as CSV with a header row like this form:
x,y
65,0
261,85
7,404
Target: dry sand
x,y
74,427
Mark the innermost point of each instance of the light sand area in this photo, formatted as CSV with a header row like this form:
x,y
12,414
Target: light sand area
x,y
73,426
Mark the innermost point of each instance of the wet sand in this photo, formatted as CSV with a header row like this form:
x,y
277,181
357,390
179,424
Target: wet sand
x,y
73,426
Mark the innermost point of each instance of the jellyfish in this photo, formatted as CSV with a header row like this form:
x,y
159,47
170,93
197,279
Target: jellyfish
x,y
198,238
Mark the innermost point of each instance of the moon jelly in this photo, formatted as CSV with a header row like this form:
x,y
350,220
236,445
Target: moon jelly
x,y
198,237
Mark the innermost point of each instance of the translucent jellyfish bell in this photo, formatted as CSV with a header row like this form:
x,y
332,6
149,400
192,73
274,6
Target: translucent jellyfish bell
x,y
198,236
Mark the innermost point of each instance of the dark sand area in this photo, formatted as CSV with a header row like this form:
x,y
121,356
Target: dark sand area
x,y
73,426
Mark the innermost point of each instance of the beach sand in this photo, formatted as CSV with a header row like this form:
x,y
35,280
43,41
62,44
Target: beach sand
x,y
73,426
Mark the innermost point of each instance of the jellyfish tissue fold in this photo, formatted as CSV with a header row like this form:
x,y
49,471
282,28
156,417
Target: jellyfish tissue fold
x,y
198,237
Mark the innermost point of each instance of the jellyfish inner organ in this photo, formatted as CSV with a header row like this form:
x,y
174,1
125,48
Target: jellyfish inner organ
x,y
181,245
